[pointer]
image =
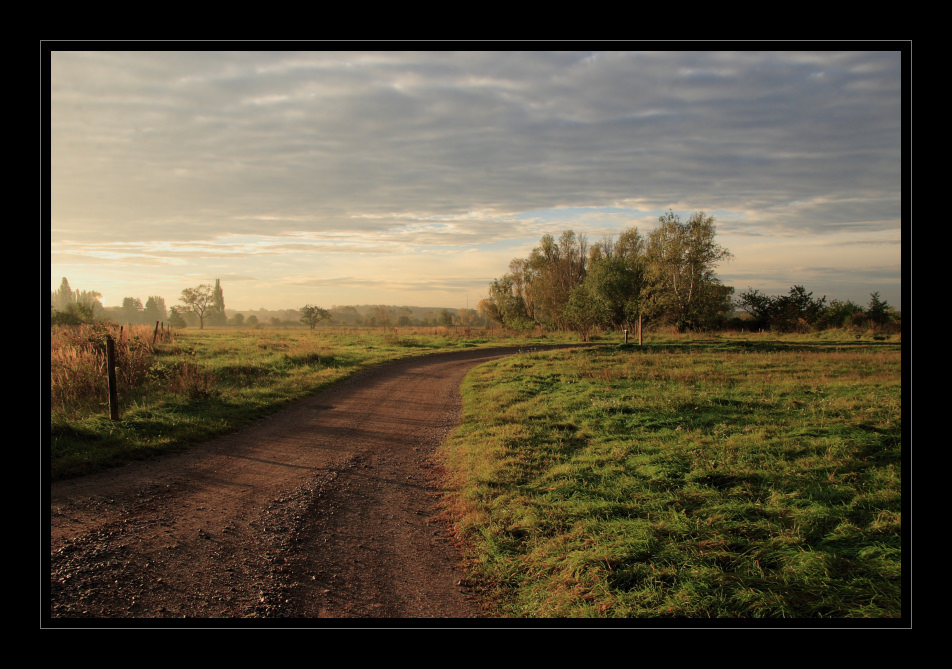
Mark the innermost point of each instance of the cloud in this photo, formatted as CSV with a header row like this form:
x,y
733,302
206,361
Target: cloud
x,y
165,156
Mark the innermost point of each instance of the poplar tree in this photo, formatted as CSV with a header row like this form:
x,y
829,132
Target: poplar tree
x,y
62,297
216,314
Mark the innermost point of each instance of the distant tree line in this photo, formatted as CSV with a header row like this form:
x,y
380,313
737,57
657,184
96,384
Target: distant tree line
x,y
666,278
405,316
72,307
205,305
201,305
799,311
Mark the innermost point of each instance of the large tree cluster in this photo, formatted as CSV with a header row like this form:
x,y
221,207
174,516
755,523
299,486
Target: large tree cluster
x,y
72,307
667,277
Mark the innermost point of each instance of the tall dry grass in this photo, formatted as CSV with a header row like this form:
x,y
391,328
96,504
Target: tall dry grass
x,y
78,379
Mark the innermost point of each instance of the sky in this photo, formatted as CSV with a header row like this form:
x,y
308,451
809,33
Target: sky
x,y
414,178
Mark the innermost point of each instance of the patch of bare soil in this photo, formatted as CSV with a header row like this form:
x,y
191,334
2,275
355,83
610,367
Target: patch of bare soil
x,y
327,509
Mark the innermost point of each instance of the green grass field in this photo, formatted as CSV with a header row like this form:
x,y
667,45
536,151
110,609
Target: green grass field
x,y
756,477
730,476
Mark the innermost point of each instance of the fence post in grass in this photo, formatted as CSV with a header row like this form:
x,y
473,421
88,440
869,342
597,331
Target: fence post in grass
x,y
639,329
626,336
111,372
155,333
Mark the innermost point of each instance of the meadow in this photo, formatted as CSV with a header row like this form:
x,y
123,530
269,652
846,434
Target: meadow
x,y
724,476
743,476
193,384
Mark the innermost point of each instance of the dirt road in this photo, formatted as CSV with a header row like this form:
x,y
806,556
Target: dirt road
x,y
325,510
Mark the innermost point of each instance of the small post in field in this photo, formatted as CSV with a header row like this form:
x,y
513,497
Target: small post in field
x,y
111,371
156,332
639,329
626,336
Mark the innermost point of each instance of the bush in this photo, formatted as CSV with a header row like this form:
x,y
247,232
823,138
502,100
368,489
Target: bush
x,y
76,313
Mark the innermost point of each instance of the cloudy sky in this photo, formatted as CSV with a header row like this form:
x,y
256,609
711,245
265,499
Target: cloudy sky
x,y
413,178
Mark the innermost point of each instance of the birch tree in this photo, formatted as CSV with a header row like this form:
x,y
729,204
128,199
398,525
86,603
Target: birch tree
x,y
682,287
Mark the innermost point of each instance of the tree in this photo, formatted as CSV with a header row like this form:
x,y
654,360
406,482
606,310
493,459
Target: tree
x,y
797,310
382,316
878,310
346,315
404,316
216,313
537,289
758,305
521,276
132,310
154,310
62,297
176,317
567,284
92,299
199,301
505,306
841,314
551,272
467,317
76,313
616,279
582,313
311,315
488,310
82,306
680,262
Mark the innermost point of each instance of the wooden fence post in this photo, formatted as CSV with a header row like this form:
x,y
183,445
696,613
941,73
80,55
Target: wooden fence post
x,y
111,371
155,333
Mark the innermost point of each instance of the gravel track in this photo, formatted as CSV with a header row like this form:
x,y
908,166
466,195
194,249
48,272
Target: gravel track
x,y
327,509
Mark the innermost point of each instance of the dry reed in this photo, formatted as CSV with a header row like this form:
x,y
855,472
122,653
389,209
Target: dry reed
x,y
78,363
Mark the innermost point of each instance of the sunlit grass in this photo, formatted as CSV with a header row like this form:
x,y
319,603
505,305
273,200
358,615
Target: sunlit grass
x,y
202,383
687,478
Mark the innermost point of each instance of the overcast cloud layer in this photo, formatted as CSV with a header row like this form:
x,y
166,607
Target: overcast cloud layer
x,y
414,178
